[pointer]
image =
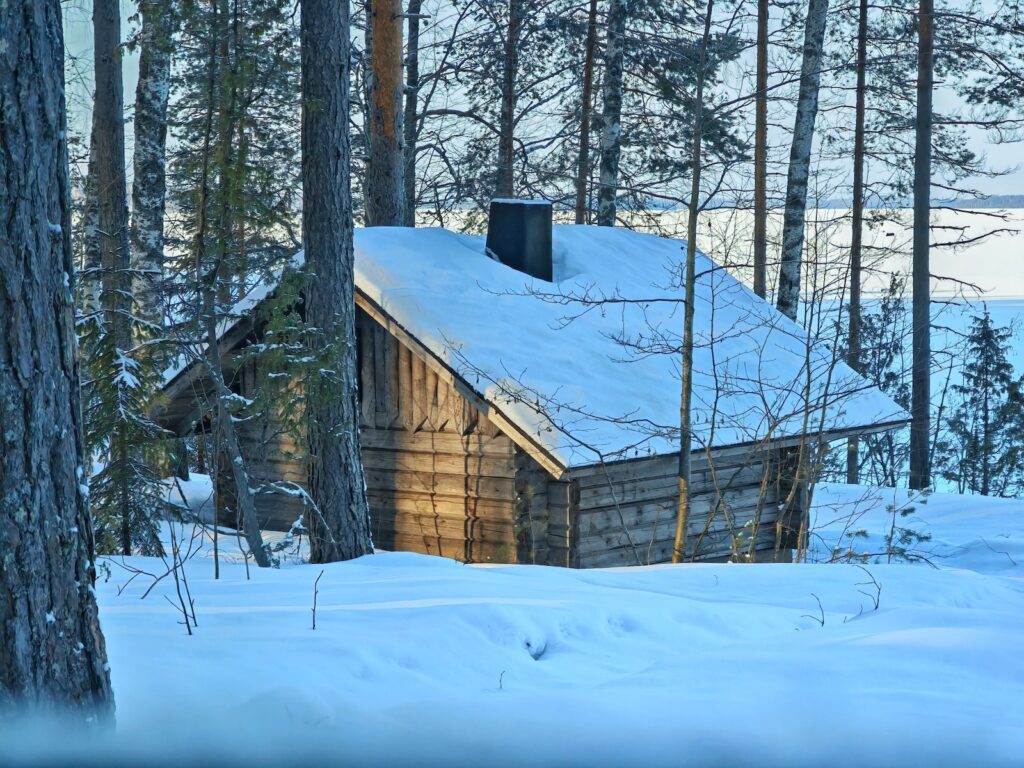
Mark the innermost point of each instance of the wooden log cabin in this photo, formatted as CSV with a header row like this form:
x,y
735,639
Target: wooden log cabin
x,y
517,398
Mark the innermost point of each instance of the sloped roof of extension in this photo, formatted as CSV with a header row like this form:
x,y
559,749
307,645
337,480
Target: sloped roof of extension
x,y
586,369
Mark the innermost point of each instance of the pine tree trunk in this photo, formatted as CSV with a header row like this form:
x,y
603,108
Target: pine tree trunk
x,y
583,166
690,280
340,525
505,185
761,154
853,356
409,122
611,119
920,395
385,168
52,653
108,127
149,187
788,295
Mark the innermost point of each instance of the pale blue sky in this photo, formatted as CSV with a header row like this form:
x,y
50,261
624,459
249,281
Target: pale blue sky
x,y
78,41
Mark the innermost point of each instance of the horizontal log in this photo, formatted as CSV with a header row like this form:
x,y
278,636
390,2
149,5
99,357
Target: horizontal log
x,y
387,523
496,489
700,472
719,546
709,531
666,490
701,506
445,506
436,442
486,466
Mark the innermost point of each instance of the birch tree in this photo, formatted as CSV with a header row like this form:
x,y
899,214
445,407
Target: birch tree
x,y
611,120
586,105
148,178
339,524
788,298
857,225
409,119
52,652
760,243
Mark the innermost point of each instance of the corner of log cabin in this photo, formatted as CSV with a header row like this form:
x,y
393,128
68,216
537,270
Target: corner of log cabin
x,y
440,477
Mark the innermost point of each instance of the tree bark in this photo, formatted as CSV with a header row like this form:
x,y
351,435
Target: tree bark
x,y
385,169
505,185
149,186
340,523
91,265
409,122
583,167
788,295
611,120
115,255
690,280
52,653
920,395
853,355
761,154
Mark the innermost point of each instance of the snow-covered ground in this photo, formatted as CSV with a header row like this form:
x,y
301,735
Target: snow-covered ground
x,y
420,660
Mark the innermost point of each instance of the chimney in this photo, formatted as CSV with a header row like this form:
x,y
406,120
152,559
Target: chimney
x,y
519,236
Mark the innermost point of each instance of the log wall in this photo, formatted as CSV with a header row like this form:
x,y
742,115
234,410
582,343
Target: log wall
x,y
627,512
440,477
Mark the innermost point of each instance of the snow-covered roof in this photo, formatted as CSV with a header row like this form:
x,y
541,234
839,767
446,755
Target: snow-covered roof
x,y
587,367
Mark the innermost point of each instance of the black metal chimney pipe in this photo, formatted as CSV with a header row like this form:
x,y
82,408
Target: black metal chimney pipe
x,y
519,236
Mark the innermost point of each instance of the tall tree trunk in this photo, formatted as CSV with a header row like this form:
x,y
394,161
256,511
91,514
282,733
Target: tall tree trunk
x,y
340,523
853,356
788,294
920,395
409,123
686,389
611,119
505,185
761,155
91,266
108,125
385,168
148,186
583,167
52,653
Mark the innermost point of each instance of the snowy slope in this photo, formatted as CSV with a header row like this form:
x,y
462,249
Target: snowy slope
x,y
589,365
423,661
852,522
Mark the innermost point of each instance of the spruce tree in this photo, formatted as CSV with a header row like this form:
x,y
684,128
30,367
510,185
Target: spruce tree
x,y
980,452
